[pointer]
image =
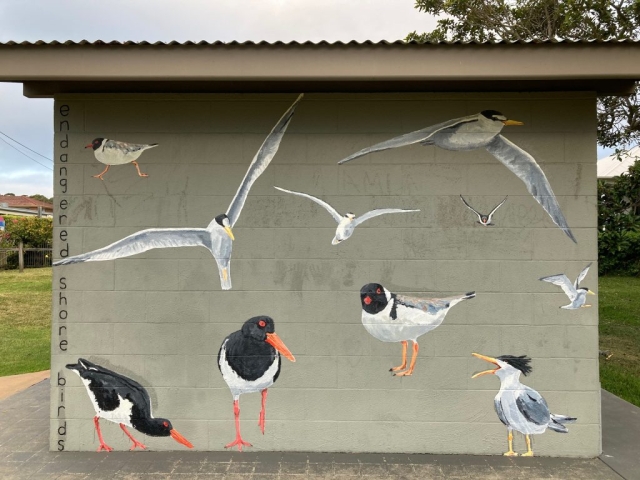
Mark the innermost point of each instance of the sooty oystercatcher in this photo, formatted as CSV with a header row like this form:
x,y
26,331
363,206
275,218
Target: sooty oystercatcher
x,y
519,407
249,361
124,401
484,220
397,318
482,130
113,152
347,222
217,237
577,294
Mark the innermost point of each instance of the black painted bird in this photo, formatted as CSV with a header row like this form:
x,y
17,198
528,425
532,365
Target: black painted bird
x,y
249,361
124,401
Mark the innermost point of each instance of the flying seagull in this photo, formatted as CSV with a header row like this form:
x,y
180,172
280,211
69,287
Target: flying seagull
x,y
519,407
577,294
484,219
483,131
217,237
347,222
113,152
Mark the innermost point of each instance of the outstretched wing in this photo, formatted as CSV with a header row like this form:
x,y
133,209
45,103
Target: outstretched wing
x,y
583,274
563,282
145,240
380,211
410,138
336,216
471,208
260,162
527,170
496,208
534,408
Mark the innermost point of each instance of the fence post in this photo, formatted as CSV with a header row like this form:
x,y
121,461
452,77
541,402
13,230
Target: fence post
x,y
21,256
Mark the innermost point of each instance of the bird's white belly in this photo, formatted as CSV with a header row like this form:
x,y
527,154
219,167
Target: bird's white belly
x,y
122,414
463,140
112,156
385,329
515,418
239,385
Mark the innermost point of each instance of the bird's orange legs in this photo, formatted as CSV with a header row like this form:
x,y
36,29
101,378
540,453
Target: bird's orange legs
x,y
138,168
136,443
103,446
263,410
238,441
101,174
404,358
414,357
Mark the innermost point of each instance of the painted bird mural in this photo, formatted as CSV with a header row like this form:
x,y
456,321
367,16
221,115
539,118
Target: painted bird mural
x,y
123,401
390,317
249,360
484,220
577,294
482,130
113,152
519,407
217,237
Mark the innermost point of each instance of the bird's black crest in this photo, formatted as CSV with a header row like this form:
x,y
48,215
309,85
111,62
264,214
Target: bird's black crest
x,y
521,363
490,113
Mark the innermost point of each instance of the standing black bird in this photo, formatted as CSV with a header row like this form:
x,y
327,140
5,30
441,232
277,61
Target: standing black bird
x,y
249,361
124,401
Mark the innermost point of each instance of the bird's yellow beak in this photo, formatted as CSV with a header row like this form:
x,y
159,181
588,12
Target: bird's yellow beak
x,y
590,292
229,232
512,122
486,359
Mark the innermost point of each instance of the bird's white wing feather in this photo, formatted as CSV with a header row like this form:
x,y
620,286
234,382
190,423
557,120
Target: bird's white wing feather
x,y
527,170
145,240
497,207
583,274
260,162
380,211
563,282
409,138
471,208
336,216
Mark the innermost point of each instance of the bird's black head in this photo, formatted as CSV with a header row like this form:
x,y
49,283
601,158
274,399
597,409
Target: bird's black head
x,y
258,327
493,115
158,427
95,144
222,220
373,297
484,219
521,363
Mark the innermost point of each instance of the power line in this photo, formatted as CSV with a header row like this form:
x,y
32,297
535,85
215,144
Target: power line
x,y
20,151
21,144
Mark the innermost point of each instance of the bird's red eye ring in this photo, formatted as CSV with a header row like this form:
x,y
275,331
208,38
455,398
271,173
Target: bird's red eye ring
x,y
166,424
379,291
262,324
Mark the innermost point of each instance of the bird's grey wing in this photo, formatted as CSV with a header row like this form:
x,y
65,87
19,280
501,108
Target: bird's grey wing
x,y
471,208
145,240
126,148
534,408
409,138
432,305
526,169
260,162
563,282
583,274
496,208
379,211
336,216
499,411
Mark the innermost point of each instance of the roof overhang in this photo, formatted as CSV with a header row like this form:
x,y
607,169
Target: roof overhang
x,y
607,68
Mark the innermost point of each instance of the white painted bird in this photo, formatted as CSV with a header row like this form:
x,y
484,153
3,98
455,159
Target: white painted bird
x,y
482,130
577,295
519,407
390,317
113,152
484,220
347,222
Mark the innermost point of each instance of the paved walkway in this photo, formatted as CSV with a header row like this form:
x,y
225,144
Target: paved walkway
x,y
13,384
24,421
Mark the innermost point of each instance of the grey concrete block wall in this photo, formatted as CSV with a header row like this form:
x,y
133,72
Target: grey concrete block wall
x,y
160,317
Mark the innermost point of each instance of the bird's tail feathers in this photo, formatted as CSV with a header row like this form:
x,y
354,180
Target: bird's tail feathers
x,y
563,419
469,295
151,145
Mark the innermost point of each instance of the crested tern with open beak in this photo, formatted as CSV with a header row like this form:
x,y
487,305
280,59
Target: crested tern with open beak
x,y
217,237
482,130
577,294
483,219
519,407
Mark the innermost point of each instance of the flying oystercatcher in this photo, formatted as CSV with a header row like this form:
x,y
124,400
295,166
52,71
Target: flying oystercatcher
x,y
397,318
124,401
113,152
249,361
519,407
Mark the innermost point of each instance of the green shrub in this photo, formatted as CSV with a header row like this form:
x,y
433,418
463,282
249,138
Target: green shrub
x,y
33,231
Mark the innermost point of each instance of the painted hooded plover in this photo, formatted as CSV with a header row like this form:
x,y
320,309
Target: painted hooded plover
x,y
113,152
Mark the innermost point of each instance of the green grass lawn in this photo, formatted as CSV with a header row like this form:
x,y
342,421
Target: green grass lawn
x,y
25,320
620,333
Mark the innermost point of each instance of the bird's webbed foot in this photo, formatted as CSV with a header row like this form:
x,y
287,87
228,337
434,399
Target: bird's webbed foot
x,y
239,442
510,453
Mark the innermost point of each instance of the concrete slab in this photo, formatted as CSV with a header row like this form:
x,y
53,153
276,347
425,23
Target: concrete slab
x,y
12,384
621,436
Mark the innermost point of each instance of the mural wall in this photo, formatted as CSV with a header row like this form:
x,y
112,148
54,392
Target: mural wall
x,y
152,328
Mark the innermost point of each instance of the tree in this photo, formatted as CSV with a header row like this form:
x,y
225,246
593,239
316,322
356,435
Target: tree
x,y
42,198
9,194
491,20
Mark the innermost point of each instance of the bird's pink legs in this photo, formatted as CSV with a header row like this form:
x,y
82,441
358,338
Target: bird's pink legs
x,y
263,410
138,168
101,174
238,441
404,358
136,443
414,357
103,446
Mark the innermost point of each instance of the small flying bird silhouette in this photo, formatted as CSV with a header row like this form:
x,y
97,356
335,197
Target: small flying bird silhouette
x,y
577,294
113,152
347,222
484,219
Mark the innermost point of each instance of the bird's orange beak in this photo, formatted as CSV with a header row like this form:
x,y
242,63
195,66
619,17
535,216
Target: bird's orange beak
x,y
180,439
89,146
486,359
275,342
512,122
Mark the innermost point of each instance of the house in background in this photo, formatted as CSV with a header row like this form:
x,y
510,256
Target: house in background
x,y
24,206
610,167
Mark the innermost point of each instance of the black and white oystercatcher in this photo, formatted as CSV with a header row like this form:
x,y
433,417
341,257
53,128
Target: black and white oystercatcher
x,y
249,361
124,401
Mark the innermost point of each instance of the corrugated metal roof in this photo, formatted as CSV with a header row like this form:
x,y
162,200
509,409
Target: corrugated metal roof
x,y
174,43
